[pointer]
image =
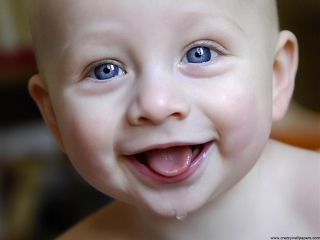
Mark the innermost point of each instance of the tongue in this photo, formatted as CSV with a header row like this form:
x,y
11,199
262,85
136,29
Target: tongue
x,y
169,162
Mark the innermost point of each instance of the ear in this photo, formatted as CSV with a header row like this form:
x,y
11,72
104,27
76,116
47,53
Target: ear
x,y
39,93
284,71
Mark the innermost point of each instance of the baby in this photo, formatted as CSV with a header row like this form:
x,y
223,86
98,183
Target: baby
x,y
167,106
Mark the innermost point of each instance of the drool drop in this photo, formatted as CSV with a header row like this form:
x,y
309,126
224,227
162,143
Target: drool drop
x,y
182,216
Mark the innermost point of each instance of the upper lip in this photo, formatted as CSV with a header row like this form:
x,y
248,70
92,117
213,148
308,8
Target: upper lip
x,y
164,146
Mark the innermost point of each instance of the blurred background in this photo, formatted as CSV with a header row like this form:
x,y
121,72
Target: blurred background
x,y
41,195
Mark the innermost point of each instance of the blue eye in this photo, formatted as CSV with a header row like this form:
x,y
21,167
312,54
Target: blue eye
x,y
199,55
108,70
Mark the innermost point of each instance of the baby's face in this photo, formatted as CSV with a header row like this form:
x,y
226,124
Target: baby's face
x,y
192,78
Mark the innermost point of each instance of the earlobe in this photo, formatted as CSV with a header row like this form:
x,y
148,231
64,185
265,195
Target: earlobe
x,y
39,93
284,72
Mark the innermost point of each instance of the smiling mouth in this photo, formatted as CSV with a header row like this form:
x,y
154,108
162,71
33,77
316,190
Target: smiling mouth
x,y
172,161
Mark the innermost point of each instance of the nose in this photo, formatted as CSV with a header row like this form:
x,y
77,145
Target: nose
x,y
156,102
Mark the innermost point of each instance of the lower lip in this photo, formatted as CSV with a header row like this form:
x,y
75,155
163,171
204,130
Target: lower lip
x,y
147,172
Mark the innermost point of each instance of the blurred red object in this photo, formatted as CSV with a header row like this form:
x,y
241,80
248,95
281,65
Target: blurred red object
x,y
13,60
17,66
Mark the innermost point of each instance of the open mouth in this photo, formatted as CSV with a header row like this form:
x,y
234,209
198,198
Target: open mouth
x,y
170,162
170,165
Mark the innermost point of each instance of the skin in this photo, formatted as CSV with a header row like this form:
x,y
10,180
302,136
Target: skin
x,y
161,100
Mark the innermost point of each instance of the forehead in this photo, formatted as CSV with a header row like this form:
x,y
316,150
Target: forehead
x,y
72,14
69,15
85,15
79,13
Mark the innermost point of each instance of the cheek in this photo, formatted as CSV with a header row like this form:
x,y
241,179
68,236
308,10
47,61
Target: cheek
x,y
87,129
246,124
88,132
241,115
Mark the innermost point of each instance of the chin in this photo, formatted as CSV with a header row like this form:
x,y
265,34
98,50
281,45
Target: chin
x,y
173,206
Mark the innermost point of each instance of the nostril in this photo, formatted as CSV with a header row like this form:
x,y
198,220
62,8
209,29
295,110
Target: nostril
x,y
142,120
177,115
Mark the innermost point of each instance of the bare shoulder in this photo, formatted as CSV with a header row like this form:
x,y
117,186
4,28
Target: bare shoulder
x,y
297,171
305,163
300,167
115,221
301,164
305,175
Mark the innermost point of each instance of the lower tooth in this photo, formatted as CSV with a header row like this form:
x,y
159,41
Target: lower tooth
x,y
196,152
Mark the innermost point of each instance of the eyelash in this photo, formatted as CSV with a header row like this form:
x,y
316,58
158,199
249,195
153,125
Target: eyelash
x,y
219,49
209,44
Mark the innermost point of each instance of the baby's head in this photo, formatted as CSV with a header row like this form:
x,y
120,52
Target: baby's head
x,y
124,84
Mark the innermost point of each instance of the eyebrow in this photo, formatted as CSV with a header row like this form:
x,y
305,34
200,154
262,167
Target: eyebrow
x,y
90,35
232,22
193,16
